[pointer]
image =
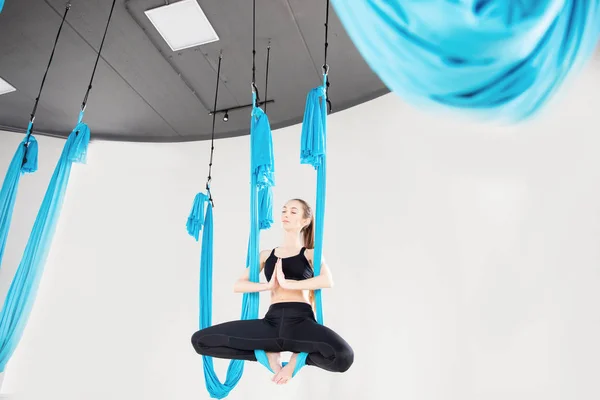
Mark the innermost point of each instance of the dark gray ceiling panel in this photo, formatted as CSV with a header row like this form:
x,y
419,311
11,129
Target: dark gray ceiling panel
x,y
143,91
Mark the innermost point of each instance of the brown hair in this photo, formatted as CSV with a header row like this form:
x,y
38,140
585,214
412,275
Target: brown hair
x,y
308,234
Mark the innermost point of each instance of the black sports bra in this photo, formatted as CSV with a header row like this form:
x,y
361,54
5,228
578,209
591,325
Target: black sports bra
x,y
295,267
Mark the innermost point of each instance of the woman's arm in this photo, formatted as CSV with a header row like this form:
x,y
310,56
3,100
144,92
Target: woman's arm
x,y
243,284
321,281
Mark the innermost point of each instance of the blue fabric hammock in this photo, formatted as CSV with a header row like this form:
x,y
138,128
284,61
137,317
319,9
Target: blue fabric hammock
x,y
1,5
23,289
262,177
313,151
24,161
494,59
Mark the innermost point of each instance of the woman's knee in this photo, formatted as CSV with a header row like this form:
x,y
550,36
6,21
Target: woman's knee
x,y
197,341
203,339
344,359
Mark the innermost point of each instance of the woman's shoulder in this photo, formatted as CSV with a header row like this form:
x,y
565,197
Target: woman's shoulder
x,y
310,254
264,254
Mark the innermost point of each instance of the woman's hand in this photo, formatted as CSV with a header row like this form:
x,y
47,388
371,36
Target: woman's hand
x,y
284,283
273,283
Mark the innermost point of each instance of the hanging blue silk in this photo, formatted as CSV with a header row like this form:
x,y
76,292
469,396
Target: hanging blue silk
x,y
23,289
493,59
262,178
313,150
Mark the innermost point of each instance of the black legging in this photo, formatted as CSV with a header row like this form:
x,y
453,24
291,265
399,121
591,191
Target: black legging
x,y
286,327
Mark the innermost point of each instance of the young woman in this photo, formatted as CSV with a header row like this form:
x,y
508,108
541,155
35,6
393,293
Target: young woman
x,y
289,324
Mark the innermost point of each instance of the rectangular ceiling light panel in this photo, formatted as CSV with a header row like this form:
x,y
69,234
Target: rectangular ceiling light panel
x,y
182,24
5,87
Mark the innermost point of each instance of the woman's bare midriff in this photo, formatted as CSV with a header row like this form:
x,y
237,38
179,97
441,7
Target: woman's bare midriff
x,y
280,295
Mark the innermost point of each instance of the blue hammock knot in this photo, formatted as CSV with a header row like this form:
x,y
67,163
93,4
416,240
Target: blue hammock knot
x,y
263,166
29,158
195,220
313,140
78,151
29,162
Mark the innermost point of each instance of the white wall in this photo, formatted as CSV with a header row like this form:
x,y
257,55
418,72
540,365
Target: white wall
x,y
465,259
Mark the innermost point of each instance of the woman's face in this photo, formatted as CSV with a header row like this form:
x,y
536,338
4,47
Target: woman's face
x,y
292,216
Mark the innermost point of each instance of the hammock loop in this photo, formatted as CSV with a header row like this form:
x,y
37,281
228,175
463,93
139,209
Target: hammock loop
x,y
208,192
256,98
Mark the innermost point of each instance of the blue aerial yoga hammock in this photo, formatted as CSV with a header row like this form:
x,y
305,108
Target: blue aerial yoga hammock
x,y
1,5
262,178
497,59
23,289
313,152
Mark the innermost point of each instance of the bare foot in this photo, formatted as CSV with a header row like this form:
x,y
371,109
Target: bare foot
x,y
274,362
285,374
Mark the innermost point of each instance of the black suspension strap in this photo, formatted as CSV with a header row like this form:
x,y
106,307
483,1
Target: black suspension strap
x,y
267,74
87,93
325,65
212,139
254,88
37,100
